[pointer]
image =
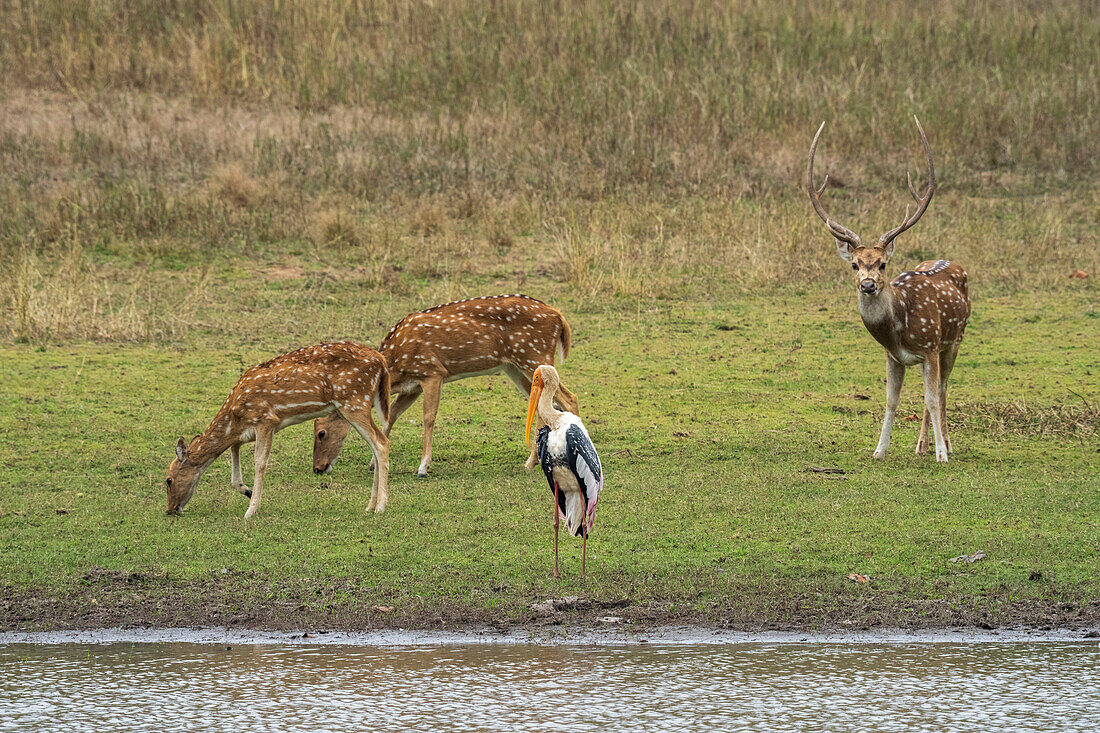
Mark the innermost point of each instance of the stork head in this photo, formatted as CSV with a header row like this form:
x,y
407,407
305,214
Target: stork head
x,y
544,378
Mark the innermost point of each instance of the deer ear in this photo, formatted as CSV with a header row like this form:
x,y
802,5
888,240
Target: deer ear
x,y
845,250
181,450
888,251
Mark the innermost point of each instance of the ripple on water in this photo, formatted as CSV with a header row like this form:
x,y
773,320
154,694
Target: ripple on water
x,y
1020,686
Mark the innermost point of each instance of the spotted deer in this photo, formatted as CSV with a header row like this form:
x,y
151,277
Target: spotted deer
x,y
513,334
344,378
919,317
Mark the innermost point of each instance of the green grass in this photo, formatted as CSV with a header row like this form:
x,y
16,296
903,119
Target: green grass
x,y
707,414
190,188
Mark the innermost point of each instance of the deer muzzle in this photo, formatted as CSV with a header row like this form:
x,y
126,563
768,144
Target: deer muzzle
x,y
868,286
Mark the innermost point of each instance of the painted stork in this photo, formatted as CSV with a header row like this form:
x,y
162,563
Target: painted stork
x,y
568,459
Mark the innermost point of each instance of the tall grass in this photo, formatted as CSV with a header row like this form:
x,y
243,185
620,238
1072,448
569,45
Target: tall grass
x,y
631,149
660,91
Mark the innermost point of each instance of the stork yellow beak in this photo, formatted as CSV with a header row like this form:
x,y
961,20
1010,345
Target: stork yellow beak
x,y
533,403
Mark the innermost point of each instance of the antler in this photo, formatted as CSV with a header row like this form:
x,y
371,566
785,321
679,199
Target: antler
x,y
922,203
835,228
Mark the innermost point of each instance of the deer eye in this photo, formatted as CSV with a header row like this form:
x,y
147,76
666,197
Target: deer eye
x,y
855,266
321,435
168,481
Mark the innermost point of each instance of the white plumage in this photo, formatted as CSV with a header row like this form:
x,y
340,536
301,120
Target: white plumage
x,y
568,459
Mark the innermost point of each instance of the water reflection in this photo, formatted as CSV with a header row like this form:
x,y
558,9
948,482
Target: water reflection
x,y
752,686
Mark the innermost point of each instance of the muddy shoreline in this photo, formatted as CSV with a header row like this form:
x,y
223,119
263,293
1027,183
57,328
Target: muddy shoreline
x,y
598,636
134,601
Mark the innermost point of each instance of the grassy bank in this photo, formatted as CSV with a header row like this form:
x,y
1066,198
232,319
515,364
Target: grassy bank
x,y
708,415
188,189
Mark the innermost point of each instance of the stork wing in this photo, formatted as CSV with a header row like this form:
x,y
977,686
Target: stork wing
x,y
584,462
543,452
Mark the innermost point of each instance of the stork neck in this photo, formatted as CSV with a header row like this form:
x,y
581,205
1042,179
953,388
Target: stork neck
x,y
549,414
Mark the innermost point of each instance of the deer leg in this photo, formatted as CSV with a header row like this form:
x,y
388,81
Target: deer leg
x,y
556,521
520,377
363,422
932,405
400,404
567,400
922,439
236,479
432,387
895,376
947,363
264,436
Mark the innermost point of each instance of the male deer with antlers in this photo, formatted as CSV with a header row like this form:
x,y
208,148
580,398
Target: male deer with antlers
x,y
514,334
344,378
919,317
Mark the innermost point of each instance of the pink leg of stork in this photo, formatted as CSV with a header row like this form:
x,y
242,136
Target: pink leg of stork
x,y
555,529
584,544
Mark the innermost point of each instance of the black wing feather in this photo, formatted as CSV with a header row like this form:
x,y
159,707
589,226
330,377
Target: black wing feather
x,y
579,448
547,463
544,454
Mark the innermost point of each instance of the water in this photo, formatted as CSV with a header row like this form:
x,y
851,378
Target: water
x,y
462,686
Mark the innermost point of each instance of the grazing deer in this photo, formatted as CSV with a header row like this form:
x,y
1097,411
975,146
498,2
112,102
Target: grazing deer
x,y
513,334
345,378
919,317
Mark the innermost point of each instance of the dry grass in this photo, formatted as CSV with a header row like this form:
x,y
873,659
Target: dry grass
x,y
1017,418
235,185
75,299
654,93
336,228
427,220
632,151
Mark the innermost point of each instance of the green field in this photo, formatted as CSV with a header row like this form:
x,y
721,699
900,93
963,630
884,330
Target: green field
x,y
188,191
707,415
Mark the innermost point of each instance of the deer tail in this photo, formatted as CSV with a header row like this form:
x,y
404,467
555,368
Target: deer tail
x,y
382,395
565,340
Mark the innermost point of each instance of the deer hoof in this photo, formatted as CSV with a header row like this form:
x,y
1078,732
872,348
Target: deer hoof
x,y
941,457
530,463
879,455
922,449
248,514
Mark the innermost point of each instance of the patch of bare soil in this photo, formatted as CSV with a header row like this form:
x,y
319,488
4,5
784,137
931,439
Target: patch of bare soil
x,y
284,272
104,598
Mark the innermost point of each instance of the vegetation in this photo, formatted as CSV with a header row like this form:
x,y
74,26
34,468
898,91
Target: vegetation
x,y
190,188
708,417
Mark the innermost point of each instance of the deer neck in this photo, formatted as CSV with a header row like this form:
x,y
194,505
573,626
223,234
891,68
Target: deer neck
x,y
880,314
215,440
878,307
